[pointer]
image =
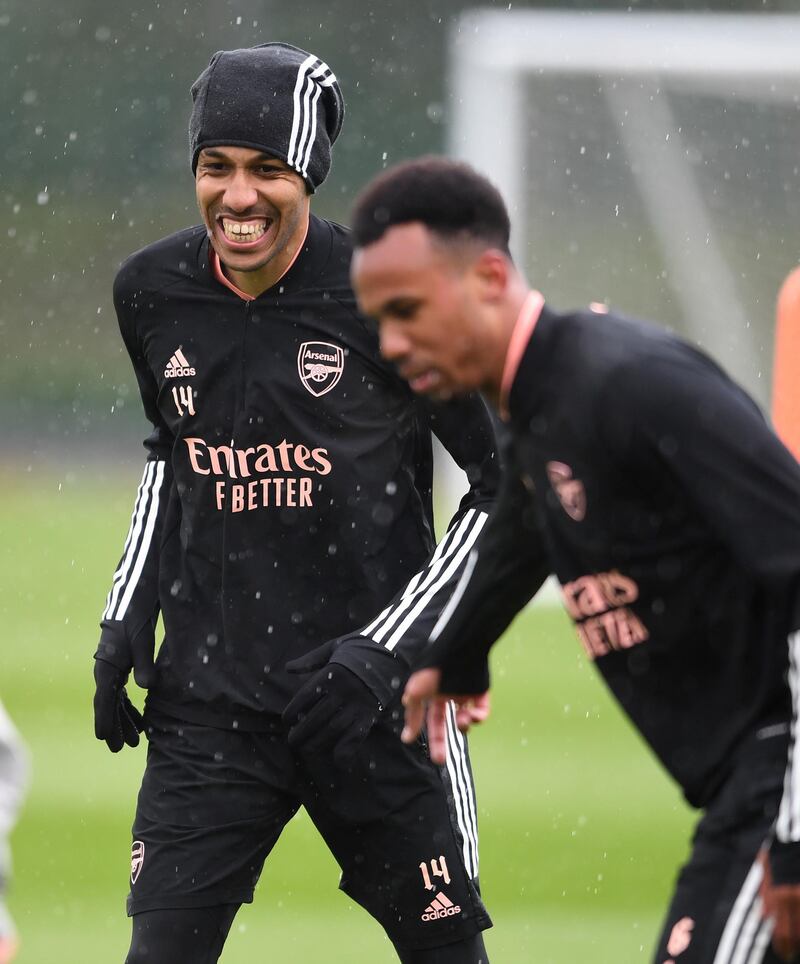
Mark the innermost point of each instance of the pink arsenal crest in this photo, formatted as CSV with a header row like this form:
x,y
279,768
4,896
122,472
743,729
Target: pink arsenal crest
x,y
571,493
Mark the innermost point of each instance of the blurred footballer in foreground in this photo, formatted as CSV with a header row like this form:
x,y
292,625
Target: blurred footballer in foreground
x,y
13,782
670,513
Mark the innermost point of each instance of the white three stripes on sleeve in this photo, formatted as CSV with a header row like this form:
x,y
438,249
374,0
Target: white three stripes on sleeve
x,y
137,544
390,626
457,596
787,826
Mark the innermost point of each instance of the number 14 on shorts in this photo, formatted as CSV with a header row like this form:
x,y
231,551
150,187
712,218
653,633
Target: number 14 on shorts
x,y
437,867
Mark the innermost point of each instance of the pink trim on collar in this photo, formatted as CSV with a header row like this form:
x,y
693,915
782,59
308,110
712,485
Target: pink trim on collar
x,y
219,274
520,336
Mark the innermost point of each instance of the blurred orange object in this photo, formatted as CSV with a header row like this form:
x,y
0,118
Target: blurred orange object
x,y
8,949
786,373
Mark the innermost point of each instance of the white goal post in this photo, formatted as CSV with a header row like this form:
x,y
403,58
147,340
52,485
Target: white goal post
x,y
640,61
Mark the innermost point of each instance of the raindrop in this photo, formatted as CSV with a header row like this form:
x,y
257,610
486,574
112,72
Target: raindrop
x,y
382,515
435,112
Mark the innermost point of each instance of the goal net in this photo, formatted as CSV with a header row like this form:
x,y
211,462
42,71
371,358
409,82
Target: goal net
x,y
651,161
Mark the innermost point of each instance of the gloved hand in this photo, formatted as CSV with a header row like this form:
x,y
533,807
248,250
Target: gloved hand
x,y
116,719
335,709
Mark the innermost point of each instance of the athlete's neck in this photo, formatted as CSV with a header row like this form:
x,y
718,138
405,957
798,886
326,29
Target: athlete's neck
x,y
498,351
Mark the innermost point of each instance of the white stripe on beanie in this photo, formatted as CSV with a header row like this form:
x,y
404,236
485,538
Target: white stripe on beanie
x,y
302,70
312,75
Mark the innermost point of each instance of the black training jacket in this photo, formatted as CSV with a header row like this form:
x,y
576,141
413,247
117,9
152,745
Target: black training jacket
x,y
286,499
670,512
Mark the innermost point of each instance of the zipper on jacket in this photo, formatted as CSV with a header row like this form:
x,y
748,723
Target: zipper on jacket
x,y
238,406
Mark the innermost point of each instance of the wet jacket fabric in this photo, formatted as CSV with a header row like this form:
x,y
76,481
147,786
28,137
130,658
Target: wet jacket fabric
x,y
286,498
670,514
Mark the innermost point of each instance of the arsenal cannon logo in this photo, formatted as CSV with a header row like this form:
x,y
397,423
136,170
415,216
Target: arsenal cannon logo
x,y
137,859
571,493
320,366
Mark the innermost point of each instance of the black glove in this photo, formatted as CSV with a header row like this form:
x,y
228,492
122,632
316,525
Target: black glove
x,y
334,710
116,719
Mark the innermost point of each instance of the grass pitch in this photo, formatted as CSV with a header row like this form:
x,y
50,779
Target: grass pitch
x,y
581,833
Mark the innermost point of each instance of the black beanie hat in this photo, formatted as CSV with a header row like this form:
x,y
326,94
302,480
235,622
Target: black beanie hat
x,y
273,98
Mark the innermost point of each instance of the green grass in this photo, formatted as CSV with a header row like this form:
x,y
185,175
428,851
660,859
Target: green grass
x,y
581,833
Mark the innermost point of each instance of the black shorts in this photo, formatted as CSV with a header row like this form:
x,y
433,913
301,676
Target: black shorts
x,y
715,914
213,803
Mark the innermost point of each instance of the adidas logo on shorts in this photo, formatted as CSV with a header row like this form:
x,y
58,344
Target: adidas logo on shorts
x,y
441,906
178,366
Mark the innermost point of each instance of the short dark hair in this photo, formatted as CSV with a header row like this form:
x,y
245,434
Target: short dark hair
x,y
448,197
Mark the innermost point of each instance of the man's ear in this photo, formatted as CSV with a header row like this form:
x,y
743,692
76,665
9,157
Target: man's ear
x,y
491,270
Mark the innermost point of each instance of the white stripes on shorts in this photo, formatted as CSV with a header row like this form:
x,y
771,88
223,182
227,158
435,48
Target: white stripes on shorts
x,y
463,792
747,935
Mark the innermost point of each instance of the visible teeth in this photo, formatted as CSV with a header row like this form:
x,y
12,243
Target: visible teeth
x,y
236,231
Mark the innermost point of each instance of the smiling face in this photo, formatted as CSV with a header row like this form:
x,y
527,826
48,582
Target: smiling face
x,y
256,210
436,305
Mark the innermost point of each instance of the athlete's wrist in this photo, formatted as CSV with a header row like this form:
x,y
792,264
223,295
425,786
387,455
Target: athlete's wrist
x,y
383,671
114,648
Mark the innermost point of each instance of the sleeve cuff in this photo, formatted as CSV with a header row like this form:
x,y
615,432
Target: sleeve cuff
x,y
113,648
381,670
784,862
466,676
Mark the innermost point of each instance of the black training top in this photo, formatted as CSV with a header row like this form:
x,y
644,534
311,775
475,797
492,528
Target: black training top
x,y
670,513
287,495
